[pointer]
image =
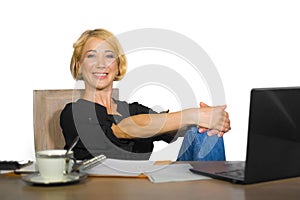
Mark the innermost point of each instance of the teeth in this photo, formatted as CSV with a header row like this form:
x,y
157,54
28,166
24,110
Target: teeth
x,y
97,74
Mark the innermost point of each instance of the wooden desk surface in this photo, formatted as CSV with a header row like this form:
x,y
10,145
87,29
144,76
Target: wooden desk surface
x,y
13,187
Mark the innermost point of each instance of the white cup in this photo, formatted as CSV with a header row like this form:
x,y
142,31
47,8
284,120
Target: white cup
x,y
54,164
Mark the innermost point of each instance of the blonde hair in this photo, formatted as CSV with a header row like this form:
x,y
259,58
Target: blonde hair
x,y
110,39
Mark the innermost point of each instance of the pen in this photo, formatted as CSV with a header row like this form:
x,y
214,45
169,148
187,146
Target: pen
x,y
89,163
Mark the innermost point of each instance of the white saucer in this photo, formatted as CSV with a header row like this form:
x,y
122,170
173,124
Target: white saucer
x,y
36,179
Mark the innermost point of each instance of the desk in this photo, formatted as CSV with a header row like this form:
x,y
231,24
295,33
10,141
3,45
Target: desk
x,y
13,187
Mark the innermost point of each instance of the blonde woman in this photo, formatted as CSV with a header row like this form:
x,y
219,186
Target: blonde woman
x,y
127,130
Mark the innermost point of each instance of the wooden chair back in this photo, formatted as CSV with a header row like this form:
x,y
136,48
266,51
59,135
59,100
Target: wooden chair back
x,y
47,106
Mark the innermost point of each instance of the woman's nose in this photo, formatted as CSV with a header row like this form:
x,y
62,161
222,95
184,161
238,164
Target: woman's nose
x,y
101,63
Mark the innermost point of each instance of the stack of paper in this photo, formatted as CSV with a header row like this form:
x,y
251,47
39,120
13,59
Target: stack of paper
x,y
155,173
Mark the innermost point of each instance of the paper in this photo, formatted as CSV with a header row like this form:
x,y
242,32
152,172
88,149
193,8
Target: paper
x,y
156,173
174,173
115,167
5,171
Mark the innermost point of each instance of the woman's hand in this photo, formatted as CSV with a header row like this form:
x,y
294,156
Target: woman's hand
x,y
211,132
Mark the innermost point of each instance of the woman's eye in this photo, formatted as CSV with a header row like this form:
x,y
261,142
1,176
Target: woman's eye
x,y
110,56
90,56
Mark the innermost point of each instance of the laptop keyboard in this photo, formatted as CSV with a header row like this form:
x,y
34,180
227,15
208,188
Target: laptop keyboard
x,y
237,173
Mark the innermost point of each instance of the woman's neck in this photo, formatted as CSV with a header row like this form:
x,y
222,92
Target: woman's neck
x,y
103,98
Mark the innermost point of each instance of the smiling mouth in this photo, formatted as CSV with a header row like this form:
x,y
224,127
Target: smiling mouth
x,y
100,74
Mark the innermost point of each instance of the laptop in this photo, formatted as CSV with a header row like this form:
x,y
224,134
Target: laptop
x,y
273,144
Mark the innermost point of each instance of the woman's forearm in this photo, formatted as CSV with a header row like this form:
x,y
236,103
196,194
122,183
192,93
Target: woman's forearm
x,y
148,125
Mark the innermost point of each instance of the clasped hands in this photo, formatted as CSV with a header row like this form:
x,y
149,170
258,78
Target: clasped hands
x,y
218,125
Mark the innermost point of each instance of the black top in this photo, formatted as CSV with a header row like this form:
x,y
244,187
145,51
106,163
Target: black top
x,y
84,117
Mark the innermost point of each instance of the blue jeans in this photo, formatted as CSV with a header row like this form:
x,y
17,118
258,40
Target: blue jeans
x,y
200,146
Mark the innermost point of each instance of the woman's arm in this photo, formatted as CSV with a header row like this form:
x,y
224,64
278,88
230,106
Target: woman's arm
x,y
148,125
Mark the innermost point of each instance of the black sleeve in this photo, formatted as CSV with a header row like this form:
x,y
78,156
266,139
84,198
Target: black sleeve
x,y
136,108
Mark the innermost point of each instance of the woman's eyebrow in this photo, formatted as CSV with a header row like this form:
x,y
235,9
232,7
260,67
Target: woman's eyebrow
x,y
109,51
91,51
95,51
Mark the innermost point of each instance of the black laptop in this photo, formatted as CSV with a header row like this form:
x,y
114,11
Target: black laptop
x,y
273,147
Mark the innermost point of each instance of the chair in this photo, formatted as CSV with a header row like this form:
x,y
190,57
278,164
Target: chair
x,y
47,106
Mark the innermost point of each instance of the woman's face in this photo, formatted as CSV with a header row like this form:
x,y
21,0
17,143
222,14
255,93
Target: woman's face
x,y
98,64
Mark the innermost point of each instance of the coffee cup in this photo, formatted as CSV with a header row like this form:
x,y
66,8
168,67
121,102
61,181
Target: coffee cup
x,y
54,164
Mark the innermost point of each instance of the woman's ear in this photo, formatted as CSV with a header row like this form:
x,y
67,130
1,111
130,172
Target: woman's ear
x,y
78,67
79,71
117,74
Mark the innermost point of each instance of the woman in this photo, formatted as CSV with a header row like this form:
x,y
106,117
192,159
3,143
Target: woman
x,y
127,131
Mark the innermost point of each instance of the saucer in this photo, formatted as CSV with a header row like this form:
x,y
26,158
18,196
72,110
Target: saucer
x,y
36,179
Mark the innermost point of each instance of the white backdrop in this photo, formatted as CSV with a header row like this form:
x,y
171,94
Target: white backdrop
x,y
252,44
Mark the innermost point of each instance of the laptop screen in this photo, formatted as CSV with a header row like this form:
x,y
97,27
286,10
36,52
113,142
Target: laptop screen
x,y
273,149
